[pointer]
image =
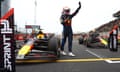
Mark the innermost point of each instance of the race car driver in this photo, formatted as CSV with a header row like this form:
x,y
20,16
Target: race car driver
x,y
66,21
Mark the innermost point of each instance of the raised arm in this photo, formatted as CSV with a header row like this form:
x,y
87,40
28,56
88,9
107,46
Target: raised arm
x,y
77,10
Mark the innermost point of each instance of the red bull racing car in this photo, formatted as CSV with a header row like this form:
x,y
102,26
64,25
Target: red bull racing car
x,y
41,46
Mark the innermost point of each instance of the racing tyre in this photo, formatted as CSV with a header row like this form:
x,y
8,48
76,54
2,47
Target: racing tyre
x,y
53,45
80,40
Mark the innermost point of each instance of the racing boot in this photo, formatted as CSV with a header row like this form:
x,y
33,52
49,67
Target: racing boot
x,y
71,54
63,53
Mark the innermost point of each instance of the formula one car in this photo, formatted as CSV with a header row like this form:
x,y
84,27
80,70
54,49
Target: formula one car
x,y
82,38
41,46
94,40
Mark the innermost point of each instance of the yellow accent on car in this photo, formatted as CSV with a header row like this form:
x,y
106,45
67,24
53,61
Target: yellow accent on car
x,y
40,36
24,50
103,41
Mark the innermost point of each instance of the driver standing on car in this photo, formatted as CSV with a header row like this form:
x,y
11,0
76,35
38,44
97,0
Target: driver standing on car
x,y
66,21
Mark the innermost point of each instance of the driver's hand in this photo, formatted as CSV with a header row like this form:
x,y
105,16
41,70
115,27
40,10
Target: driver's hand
x,y
79,3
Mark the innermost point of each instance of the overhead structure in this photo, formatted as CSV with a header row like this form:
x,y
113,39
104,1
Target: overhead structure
x,y
117,14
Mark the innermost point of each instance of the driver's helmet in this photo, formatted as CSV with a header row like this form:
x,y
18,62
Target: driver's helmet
x,y
66,10
40,35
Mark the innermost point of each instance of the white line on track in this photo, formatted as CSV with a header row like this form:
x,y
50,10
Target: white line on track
x,y
108,61
93,53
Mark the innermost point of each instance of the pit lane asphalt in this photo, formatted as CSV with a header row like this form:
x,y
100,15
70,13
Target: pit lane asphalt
x,y
86,60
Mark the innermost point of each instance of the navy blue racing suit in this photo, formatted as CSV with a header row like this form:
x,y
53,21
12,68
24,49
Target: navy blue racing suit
x,y
66,21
